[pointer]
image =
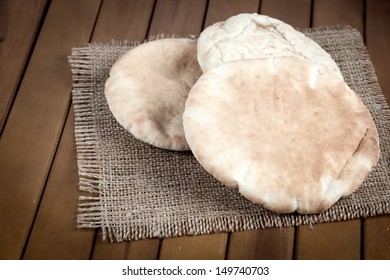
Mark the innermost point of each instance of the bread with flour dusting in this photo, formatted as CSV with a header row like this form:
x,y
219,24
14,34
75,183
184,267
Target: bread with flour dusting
x,y
250,36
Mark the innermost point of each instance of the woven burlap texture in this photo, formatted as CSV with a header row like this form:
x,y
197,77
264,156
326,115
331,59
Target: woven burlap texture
x,y
136,191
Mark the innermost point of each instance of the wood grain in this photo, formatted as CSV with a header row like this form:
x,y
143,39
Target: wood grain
x,y
146,249
378,41
19,23
123,20
221,10
332,12
376,233
34,125
264,244
143,249
296,13
376,238
200,247
337,240
54,234
104,250
181,17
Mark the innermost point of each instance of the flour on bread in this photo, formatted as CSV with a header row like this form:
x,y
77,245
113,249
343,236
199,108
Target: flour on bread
x,y
251,36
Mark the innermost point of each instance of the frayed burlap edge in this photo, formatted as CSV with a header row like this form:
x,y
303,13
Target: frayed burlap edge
x,y
88,158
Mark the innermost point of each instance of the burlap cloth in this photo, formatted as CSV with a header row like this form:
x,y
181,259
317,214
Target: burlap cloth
x,y
139,191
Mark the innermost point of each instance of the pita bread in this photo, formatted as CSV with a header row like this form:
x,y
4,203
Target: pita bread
x,y
250,36
287,135
148,87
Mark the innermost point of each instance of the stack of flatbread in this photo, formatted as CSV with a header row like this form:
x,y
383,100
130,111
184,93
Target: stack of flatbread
x,y
262,107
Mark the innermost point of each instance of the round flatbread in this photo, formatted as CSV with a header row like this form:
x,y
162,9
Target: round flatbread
x,y
289,136
148,87
250,36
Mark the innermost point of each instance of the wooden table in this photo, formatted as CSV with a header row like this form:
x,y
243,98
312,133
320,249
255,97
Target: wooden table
x,y
38,171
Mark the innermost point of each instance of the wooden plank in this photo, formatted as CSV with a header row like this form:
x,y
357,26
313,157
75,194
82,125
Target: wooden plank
x,y
170,17
264,244
181,17
331,12
104,250
143,249
19,22
34,125
122,20
296,13
273,243
339,240
220,10
376,233
201,247
146,249
245,245
54,234
376,238
378,41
